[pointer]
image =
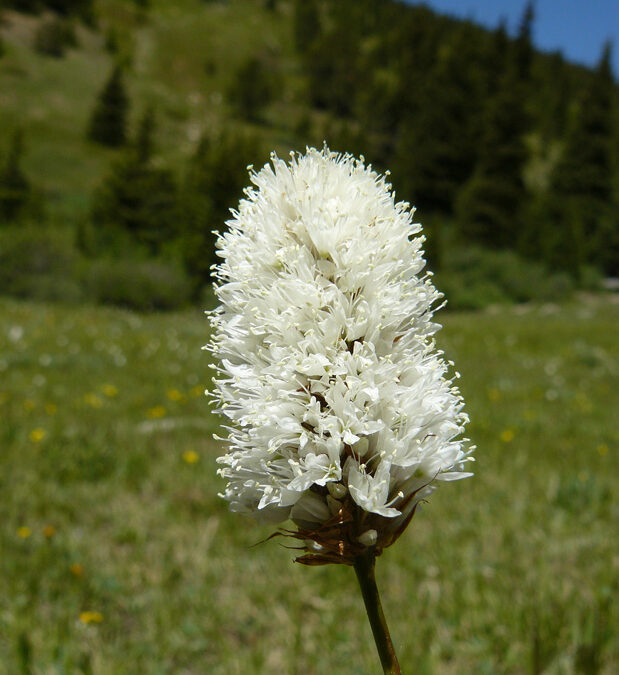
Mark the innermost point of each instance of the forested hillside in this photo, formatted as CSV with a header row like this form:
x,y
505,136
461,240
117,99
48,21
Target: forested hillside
x,y
126,127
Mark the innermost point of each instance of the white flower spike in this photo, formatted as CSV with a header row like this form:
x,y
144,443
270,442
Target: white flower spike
x,y
342,413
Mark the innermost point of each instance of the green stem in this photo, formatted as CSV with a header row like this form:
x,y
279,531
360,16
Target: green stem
x,y
364,567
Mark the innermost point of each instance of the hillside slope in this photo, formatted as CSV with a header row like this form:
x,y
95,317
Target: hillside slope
x,y
181,58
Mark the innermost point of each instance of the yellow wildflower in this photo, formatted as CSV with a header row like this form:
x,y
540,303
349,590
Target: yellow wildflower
x,y
191,456
507,435
37,435
24,532
29,404
109,390
76,569
175,395
91,616
602,449
49,531
156,412
197,391
50,408
93,400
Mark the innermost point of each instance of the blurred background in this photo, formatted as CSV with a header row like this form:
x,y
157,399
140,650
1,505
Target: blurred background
x,y
126,129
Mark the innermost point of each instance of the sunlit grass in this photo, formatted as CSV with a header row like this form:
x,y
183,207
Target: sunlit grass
x,y
117,556
181,60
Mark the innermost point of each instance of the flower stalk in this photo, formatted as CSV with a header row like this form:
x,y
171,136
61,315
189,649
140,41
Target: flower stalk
x,y
364,567
342,415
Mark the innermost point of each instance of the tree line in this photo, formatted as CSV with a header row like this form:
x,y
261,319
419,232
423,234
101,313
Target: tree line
x,y
464,115
500,147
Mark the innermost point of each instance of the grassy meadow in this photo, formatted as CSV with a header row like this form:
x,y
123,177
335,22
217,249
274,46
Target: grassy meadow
x,y
117,556
180,59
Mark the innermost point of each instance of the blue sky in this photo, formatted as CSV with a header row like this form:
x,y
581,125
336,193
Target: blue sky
x,y
577,27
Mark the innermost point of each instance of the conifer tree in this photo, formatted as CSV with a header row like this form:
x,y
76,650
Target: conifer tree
x,y
497,58
490,203
523,55
582,184
252,89
109,119
306,24
524,44
144,144
553,98
82,8
436,149
215,178
332,60
14,186
138,203
54,36
26,6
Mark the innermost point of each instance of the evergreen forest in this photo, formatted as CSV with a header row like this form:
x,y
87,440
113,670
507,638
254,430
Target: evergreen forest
x,y
126,129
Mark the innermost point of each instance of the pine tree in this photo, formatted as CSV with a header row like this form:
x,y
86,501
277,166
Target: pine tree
x,y
109,119
138,203
252,89
489,205
524,44
26,6
14,186
497,58
215,178
331,61
306,24
54,36
81,8
553,99
144,143
436,149
582,184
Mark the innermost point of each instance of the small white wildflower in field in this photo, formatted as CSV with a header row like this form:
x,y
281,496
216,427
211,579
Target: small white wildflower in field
x,y
342,413
16,333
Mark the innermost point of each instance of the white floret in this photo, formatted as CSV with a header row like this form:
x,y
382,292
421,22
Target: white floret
x,y
327,368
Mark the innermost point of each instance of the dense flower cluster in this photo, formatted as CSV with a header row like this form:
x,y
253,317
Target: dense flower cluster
x,y
342,413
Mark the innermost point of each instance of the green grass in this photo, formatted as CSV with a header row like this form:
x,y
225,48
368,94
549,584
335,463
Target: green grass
x,y
181,58
508,572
